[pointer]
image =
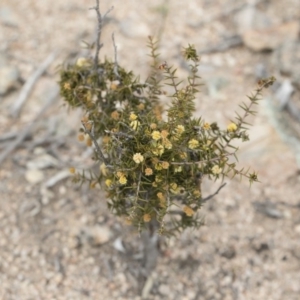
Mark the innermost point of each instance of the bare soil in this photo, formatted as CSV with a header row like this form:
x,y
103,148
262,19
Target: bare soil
x,y
59,241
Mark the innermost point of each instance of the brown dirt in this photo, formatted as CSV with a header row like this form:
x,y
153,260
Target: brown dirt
x,y
250,246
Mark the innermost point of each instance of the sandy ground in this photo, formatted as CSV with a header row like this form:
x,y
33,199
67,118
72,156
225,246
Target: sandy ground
x,y
59,241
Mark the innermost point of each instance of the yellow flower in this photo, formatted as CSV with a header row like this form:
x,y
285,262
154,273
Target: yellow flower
x,y
153,126
115,115
158,179
103,169
178,169
167,144
158,167
138,158
132,117
147,218
120,174
231,127
160,196
197,193
108,182
159,150
206,126
135,124
216,170
81,137
179,129
141,106
165,165
123,180
183,155
193,144
156,135
148,171
174,188
164,134
82,62
72,170
188,211
67,86
162,199
114,84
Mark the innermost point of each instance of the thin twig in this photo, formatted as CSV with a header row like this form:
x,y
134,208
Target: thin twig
x,y
8,136
99,31
27,130
92,137
227,43
31,81
212,195
138,188
199,161
116,56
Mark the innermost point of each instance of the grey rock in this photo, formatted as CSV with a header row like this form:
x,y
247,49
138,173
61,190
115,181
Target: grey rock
x,y
34,176
272,37
9,78
287,60
251,18
269,209
43,161
215,85
134,28
284,93
261,71
7,17
95,235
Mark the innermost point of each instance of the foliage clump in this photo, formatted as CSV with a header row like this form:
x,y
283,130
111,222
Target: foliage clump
x,y
152,166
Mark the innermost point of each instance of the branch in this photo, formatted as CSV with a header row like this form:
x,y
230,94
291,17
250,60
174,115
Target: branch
x,y
212,195
199,161
28,86
99,31
23,134
92,137
116,58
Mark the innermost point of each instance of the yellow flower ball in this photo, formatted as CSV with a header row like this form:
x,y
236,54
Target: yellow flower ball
x,y
156,135
138,158
193,144
231,127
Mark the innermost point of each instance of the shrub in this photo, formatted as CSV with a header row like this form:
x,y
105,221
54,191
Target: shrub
x,y
152,160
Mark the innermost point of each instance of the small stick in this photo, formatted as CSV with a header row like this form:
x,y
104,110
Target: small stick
x,y
27,130
99,31
212,195
92,137
8,136
28,86
116,57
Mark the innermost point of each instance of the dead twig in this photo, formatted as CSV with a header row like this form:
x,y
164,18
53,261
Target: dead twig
x,y
116,56
99,31
212,195
227,43
21,137
31,81
8,136
97,147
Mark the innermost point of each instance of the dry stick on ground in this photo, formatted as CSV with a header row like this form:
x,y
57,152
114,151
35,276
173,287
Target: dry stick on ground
x,y
52,97
28,86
